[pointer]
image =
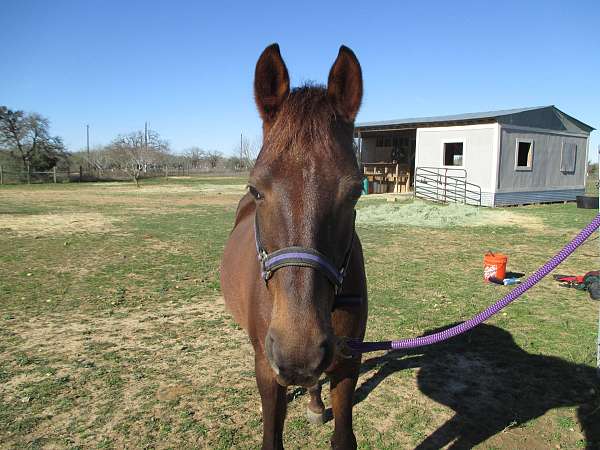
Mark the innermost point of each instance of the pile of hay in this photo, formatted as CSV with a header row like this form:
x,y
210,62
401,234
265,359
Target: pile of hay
x,y
424,214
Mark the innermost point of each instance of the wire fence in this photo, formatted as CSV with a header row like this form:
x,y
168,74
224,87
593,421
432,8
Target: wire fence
x,y
16,175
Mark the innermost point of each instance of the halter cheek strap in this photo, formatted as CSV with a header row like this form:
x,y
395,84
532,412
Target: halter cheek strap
x,y
301,257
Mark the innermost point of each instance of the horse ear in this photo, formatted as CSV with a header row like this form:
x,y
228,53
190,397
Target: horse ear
x,y
271,82
345,86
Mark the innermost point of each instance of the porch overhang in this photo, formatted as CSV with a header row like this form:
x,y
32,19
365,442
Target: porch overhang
x,y
370,128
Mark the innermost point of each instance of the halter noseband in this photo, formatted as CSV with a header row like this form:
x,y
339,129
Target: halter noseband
x,y
301,257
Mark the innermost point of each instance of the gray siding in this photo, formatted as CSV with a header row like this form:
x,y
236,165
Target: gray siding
x,y
487,199
545,174
522,198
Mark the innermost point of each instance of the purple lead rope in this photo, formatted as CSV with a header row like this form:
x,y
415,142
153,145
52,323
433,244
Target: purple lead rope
x,y
422,341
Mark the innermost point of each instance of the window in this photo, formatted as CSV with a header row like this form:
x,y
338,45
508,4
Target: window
x,y
524,155
453,153
568,157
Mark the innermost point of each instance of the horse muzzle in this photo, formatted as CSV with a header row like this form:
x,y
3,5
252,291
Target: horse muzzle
x,y
297,364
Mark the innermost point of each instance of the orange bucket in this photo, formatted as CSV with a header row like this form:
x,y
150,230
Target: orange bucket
x,y
494,265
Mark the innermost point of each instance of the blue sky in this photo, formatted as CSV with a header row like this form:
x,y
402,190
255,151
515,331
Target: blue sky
x,y
187,67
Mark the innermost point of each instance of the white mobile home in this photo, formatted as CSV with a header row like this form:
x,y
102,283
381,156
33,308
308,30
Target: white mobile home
x,y
518,156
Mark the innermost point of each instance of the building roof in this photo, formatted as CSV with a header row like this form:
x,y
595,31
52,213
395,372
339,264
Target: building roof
x,y
549,117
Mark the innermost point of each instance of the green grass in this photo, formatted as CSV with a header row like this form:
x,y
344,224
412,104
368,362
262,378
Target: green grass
x,y
112,333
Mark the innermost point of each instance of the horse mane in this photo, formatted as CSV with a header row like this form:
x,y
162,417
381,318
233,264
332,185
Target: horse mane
x,y
304,121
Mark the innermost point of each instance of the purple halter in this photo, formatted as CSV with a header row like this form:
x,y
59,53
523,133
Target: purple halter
x,y
301,257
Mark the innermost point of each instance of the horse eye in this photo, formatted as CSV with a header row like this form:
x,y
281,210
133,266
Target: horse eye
x,y
255,193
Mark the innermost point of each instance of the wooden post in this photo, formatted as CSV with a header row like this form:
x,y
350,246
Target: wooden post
x,y
166,171
54,174
360,155
1,176
28,173
80,173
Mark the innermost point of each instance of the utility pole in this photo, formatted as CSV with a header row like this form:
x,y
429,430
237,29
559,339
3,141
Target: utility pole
x,y
87,134
145,145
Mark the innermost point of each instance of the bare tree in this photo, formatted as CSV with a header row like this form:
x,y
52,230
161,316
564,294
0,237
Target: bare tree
x,y
27,136
249,153
214,157
138,152
195,156
98,159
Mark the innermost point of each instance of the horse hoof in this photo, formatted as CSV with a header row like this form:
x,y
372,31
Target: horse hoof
x,y
315,418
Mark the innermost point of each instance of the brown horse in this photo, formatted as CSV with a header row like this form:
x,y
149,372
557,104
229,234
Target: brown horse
x,y
300,208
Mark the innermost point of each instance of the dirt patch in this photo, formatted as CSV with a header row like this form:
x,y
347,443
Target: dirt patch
x,y
64,223
179,189
181,376
127,372
170,393
423,214
159,199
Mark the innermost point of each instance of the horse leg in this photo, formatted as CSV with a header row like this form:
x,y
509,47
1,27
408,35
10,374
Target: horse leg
x,y
274,403
315,410
343,382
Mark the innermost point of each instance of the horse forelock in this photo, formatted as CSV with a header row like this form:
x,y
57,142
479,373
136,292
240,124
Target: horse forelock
x,y
303,129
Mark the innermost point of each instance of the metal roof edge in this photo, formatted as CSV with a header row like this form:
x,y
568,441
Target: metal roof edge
x,y
467,117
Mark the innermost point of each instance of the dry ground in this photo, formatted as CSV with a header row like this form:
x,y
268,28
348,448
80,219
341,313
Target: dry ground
x,y
113,333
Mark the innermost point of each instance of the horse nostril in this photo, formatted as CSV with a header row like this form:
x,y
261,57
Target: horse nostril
x,y
294,365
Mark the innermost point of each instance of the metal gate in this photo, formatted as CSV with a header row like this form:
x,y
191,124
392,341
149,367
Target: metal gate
x,y
446,185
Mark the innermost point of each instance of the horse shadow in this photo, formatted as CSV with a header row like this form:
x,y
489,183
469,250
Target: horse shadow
x,y
492,384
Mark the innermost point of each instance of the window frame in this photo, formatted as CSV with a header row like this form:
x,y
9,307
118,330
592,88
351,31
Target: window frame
x,y
529,166
464,151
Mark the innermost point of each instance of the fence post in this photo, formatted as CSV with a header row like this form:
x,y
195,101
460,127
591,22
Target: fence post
x,y
166,171
80,173
54,174
28,173
1,176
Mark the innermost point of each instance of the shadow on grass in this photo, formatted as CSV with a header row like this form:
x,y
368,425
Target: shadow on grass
x,y
492,384
514,275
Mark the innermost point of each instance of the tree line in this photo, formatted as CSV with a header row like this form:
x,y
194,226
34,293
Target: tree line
x,y
26,143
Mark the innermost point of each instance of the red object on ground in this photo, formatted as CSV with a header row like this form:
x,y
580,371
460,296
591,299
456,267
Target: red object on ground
x,y
494,265
571,279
